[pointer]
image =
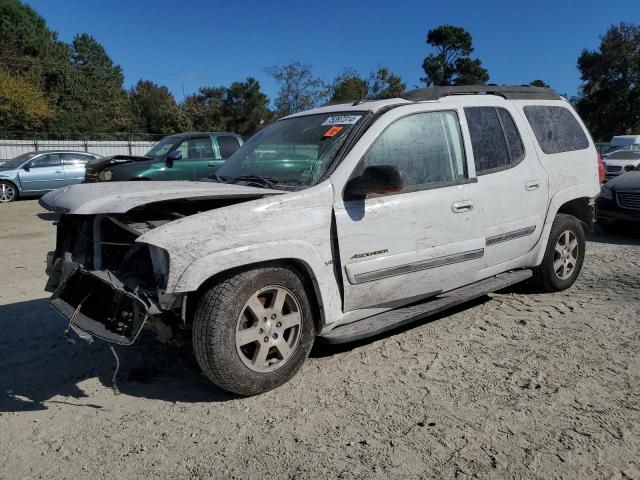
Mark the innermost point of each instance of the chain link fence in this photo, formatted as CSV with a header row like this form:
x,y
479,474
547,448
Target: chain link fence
x,y
105,144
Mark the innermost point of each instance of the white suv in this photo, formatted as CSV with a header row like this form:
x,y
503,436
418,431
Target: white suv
x,y
338,223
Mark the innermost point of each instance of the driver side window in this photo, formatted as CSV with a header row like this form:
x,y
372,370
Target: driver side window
x,y
51,160
427,147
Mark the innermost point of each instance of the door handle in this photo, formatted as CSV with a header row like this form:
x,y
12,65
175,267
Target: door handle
x,y
212,164
58,171
461,207
532,185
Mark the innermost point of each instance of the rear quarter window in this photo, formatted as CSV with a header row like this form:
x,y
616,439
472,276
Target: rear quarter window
x,y
556,129
228,145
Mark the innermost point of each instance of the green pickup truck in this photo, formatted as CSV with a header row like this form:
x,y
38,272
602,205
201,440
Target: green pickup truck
x,y
184,156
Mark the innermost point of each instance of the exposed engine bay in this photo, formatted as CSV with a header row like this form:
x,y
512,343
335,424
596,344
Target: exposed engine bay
x,y
109,285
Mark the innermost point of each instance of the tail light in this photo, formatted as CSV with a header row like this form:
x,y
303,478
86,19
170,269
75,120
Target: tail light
x,y
600,169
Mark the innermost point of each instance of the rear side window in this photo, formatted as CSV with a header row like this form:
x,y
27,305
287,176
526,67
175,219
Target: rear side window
x,y
427,147
556,129
228,145
75,158
495,139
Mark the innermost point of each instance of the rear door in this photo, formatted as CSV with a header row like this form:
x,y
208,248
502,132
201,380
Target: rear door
x,y
512,183
45,173
74,165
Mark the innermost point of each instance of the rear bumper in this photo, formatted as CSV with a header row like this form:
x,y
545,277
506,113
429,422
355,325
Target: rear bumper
x,y
98,304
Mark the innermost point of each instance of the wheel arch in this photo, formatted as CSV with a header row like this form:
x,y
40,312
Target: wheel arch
x,y
301,268
581,208
14,184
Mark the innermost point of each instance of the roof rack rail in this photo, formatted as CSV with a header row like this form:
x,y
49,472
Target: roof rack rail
x,y
511,92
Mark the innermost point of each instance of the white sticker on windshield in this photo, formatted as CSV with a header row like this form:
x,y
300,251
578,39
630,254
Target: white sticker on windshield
x,y
342,120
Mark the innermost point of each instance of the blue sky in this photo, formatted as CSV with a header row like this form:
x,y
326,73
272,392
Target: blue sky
x,y
189,44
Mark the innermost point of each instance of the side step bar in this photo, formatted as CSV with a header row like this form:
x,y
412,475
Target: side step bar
x,y
368,327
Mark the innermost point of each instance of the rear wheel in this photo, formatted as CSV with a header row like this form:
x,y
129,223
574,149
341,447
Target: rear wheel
x,y
564,256
253,330
8,192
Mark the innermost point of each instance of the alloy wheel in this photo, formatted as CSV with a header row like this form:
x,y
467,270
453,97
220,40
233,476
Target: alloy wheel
x,y
268,329
7,193
565,255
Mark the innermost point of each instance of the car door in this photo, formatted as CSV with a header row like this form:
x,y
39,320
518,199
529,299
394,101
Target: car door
x,y
426,239
511,181
73,164
200,157
42,173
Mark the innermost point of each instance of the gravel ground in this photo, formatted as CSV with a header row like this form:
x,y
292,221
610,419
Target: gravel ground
x,y
513,385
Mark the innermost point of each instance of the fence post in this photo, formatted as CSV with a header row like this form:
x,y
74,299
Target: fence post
x,y
86,145
130,149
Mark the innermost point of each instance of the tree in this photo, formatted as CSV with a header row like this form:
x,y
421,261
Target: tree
x,y
382,83
349,86
299,89
385,84
539,83
204,109
241,108
32,53
609,97
154,110
22,105
94,99
244,107
451,64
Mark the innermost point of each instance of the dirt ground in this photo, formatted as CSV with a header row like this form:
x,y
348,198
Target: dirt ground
x,y
518,385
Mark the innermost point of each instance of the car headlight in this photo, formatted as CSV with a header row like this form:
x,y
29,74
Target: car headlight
x,y
606,193
105,175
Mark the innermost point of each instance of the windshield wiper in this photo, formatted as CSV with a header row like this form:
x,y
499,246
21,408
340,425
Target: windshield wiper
x,y
256,179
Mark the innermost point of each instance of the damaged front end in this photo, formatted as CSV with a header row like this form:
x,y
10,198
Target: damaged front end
x,y
107,284
104,280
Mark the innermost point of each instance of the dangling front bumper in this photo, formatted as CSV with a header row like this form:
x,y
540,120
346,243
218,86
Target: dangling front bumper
x,y
98,304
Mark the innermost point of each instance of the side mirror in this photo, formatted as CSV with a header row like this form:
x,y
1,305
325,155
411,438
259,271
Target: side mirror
x,y
27,166
172,157
380,179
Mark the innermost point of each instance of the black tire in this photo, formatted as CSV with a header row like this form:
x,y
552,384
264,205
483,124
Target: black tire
x,y
214,330
8,192
545,277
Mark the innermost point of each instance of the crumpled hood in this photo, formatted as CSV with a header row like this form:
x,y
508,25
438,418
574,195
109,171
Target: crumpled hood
x,y
120,197
629,180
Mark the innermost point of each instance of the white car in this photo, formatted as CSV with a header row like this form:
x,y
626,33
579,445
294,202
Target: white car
x,y
338,223
621,161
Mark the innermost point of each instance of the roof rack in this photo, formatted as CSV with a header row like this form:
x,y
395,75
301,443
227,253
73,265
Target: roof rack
x,y
511,92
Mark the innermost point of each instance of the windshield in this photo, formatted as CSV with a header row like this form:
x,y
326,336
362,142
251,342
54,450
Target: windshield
x,y
294,151
625,155
162,147
16,162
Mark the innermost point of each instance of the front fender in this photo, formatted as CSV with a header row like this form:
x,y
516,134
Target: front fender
x,y
319,270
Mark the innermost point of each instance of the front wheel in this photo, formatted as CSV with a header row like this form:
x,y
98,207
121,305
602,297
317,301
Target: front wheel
x,y
253,330
8,192
563,257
